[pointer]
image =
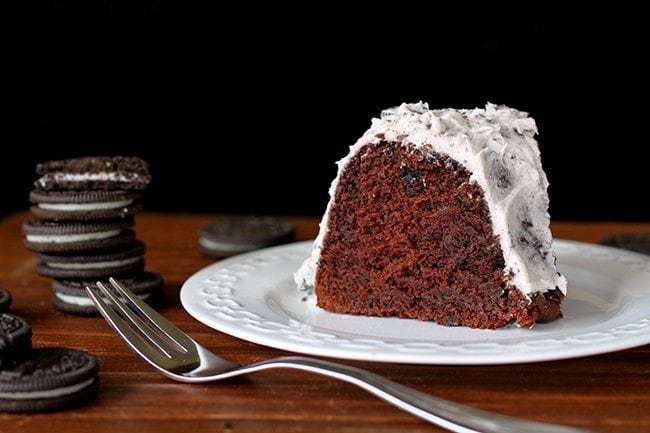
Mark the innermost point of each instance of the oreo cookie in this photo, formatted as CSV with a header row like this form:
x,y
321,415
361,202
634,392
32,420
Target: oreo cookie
x,y
84,205
15,339
70,295
49,379
639,243
232,235
5,300
52,237
124,261
117,173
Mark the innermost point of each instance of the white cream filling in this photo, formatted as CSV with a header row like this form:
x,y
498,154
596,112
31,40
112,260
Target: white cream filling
x,y
230,248
74,207
94,265
50,393
79,237
84,301
102,176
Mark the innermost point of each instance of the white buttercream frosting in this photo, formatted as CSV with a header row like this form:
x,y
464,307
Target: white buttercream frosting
x,y
77,237
75,207
497,146
101,176
93,265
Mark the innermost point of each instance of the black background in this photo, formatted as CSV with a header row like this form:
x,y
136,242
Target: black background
x,y
245,106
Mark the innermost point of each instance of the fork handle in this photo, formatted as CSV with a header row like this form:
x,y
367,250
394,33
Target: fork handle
x,y
452,416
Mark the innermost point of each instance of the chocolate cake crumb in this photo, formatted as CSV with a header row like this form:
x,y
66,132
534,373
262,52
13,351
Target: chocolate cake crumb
x,y
410,236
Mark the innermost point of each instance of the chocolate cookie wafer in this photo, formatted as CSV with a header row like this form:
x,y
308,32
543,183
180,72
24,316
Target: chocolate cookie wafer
x,y
52,237
231,235
70,295
84,206
49,379
122,261
639,243
115,173
15,339
5,300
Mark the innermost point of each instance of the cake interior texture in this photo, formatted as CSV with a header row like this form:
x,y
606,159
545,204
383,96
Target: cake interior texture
x,y
410,235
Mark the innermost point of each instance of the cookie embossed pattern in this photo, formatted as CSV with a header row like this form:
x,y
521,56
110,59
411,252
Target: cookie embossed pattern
x,y
253,297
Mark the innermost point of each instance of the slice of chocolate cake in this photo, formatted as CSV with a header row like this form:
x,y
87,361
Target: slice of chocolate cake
x,y
440,215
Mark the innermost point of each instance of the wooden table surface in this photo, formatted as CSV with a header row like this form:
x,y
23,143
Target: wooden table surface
x,y
606,393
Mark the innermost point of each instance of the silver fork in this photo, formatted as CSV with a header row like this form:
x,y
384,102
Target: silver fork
x,y
179,357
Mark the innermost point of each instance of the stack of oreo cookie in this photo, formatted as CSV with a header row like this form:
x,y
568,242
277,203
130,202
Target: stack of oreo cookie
x,y
82,228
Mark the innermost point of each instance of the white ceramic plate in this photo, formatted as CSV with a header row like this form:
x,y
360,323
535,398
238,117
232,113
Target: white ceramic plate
x,y
253,297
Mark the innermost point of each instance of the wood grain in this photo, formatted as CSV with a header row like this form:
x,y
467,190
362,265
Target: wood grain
x,y
605,393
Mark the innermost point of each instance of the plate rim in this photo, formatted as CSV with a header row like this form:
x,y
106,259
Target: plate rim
x,y
436,358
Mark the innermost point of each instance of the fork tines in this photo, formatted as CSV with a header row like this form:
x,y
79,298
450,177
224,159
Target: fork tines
x,y
128,314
